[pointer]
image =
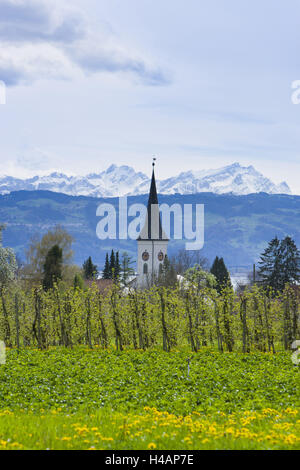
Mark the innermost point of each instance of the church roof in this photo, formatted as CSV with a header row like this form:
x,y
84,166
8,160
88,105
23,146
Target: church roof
x,y
152,229
153,199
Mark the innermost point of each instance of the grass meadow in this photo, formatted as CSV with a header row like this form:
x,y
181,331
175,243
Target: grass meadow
x,y
106,399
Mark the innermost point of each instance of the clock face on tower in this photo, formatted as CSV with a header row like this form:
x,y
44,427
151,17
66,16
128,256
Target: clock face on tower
x,y
145,256
160,256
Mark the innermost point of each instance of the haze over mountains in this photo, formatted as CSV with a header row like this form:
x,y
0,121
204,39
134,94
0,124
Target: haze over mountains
x,y
124,180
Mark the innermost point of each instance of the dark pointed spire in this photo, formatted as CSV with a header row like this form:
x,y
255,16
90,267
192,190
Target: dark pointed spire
x,y
152,202
153,199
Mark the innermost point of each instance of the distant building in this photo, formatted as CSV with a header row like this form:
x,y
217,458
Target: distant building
x,y
152,241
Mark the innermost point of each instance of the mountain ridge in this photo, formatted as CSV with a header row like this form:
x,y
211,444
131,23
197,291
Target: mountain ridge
x,y
125,181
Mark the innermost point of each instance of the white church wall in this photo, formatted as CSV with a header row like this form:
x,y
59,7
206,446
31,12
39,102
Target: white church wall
x,y
151,249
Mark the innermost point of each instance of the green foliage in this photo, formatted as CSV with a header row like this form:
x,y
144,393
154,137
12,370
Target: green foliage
x,y
8,263
279,265
167,276
38,250
290,262
53,267
126,269
126,356
106,270
270,269
8,266
191,316
149,429
84,379
90,270
78,282
117,267
199,278
221,274
112,263
112,268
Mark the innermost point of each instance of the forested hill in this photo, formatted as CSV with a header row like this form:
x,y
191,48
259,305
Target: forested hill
x,y
236,227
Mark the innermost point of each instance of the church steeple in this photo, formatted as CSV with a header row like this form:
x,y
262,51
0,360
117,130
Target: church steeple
x,y
152,229
152,242
153,199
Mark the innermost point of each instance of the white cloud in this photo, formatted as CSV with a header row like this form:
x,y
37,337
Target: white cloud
x,y
38,20
105,54
29,62
40,39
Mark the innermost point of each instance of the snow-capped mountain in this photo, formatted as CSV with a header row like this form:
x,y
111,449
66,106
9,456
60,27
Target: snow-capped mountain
x,y
114,181
124,180
234,179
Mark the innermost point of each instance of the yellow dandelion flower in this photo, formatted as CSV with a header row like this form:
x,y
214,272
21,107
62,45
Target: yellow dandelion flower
x,y
152,446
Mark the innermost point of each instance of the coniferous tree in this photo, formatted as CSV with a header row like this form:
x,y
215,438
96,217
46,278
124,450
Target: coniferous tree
x,y
290,263
117,267
167,276
215,267
78,282
280,264
90,270
106,270
53,267
126,269
221,274
270,266
112,265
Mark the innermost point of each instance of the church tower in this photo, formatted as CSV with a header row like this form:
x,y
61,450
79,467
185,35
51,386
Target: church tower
x,y
152,241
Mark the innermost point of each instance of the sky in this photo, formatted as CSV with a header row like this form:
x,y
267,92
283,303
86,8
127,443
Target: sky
x,y
200,84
